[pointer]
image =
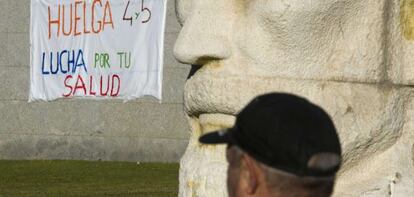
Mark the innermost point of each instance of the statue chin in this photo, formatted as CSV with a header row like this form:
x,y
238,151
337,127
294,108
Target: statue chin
x,y
353,58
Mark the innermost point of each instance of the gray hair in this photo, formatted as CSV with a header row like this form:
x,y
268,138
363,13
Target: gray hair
x,y
291,185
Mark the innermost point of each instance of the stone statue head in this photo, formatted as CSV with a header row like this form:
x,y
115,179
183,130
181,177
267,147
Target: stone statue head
x,y
302,39
344,55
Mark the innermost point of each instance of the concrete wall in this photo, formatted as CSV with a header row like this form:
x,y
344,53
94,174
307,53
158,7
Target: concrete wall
x,y
142,130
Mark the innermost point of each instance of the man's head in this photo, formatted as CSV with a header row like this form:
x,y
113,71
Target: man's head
x,y
248,177
281,145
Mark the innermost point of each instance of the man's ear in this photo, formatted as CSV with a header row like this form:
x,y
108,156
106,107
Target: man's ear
x,y
249,174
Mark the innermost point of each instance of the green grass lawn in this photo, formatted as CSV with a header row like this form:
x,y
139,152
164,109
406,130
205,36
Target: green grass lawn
x,y
81,178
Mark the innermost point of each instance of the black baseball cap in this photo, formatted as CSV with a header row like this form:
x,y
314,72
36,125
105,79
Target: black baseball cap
x,y
283,131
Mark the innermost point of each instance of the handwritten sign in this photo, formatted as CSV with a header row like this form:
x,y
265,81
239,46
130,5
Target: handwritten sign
x,y
96,48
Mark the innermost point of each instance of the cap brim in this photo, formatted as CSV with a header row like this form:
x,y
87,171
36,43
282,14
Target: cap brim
x,y
216,137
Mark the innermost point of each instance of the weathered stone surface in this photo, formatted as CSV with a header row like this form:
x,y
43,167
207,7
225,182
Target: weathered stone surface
x,y
369,118
355,108
18,19
400,43
173,84
91,118
350,57
384,173
3,49
90,148
18,49
172,25
14,83
203,167
3,17
329,39
169,58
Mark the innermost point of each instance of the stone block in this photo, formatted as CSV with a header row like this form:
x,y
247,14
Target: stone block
x,y
400,44
3,16
91,118
402,69
172,25
169,40
90,148
169,59
57,118
173,84
18,16
18,49
144,119
14,83
3,49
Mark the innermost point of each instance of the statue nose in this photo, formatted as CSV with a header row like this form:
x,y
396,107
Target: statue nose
x,y
199,48
205,35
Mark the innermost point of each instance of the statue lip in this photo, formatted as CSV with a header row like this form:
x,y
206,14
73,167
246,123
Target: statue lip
x,y
214,122
224,93
209,89
204,94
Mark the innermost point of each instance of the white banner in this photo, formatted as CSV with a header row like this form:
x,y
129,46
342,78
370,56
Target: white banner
x,y
96,48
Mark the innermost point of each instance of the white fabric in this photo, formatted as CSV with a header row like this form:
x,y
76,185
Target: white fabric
x,y
95,33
